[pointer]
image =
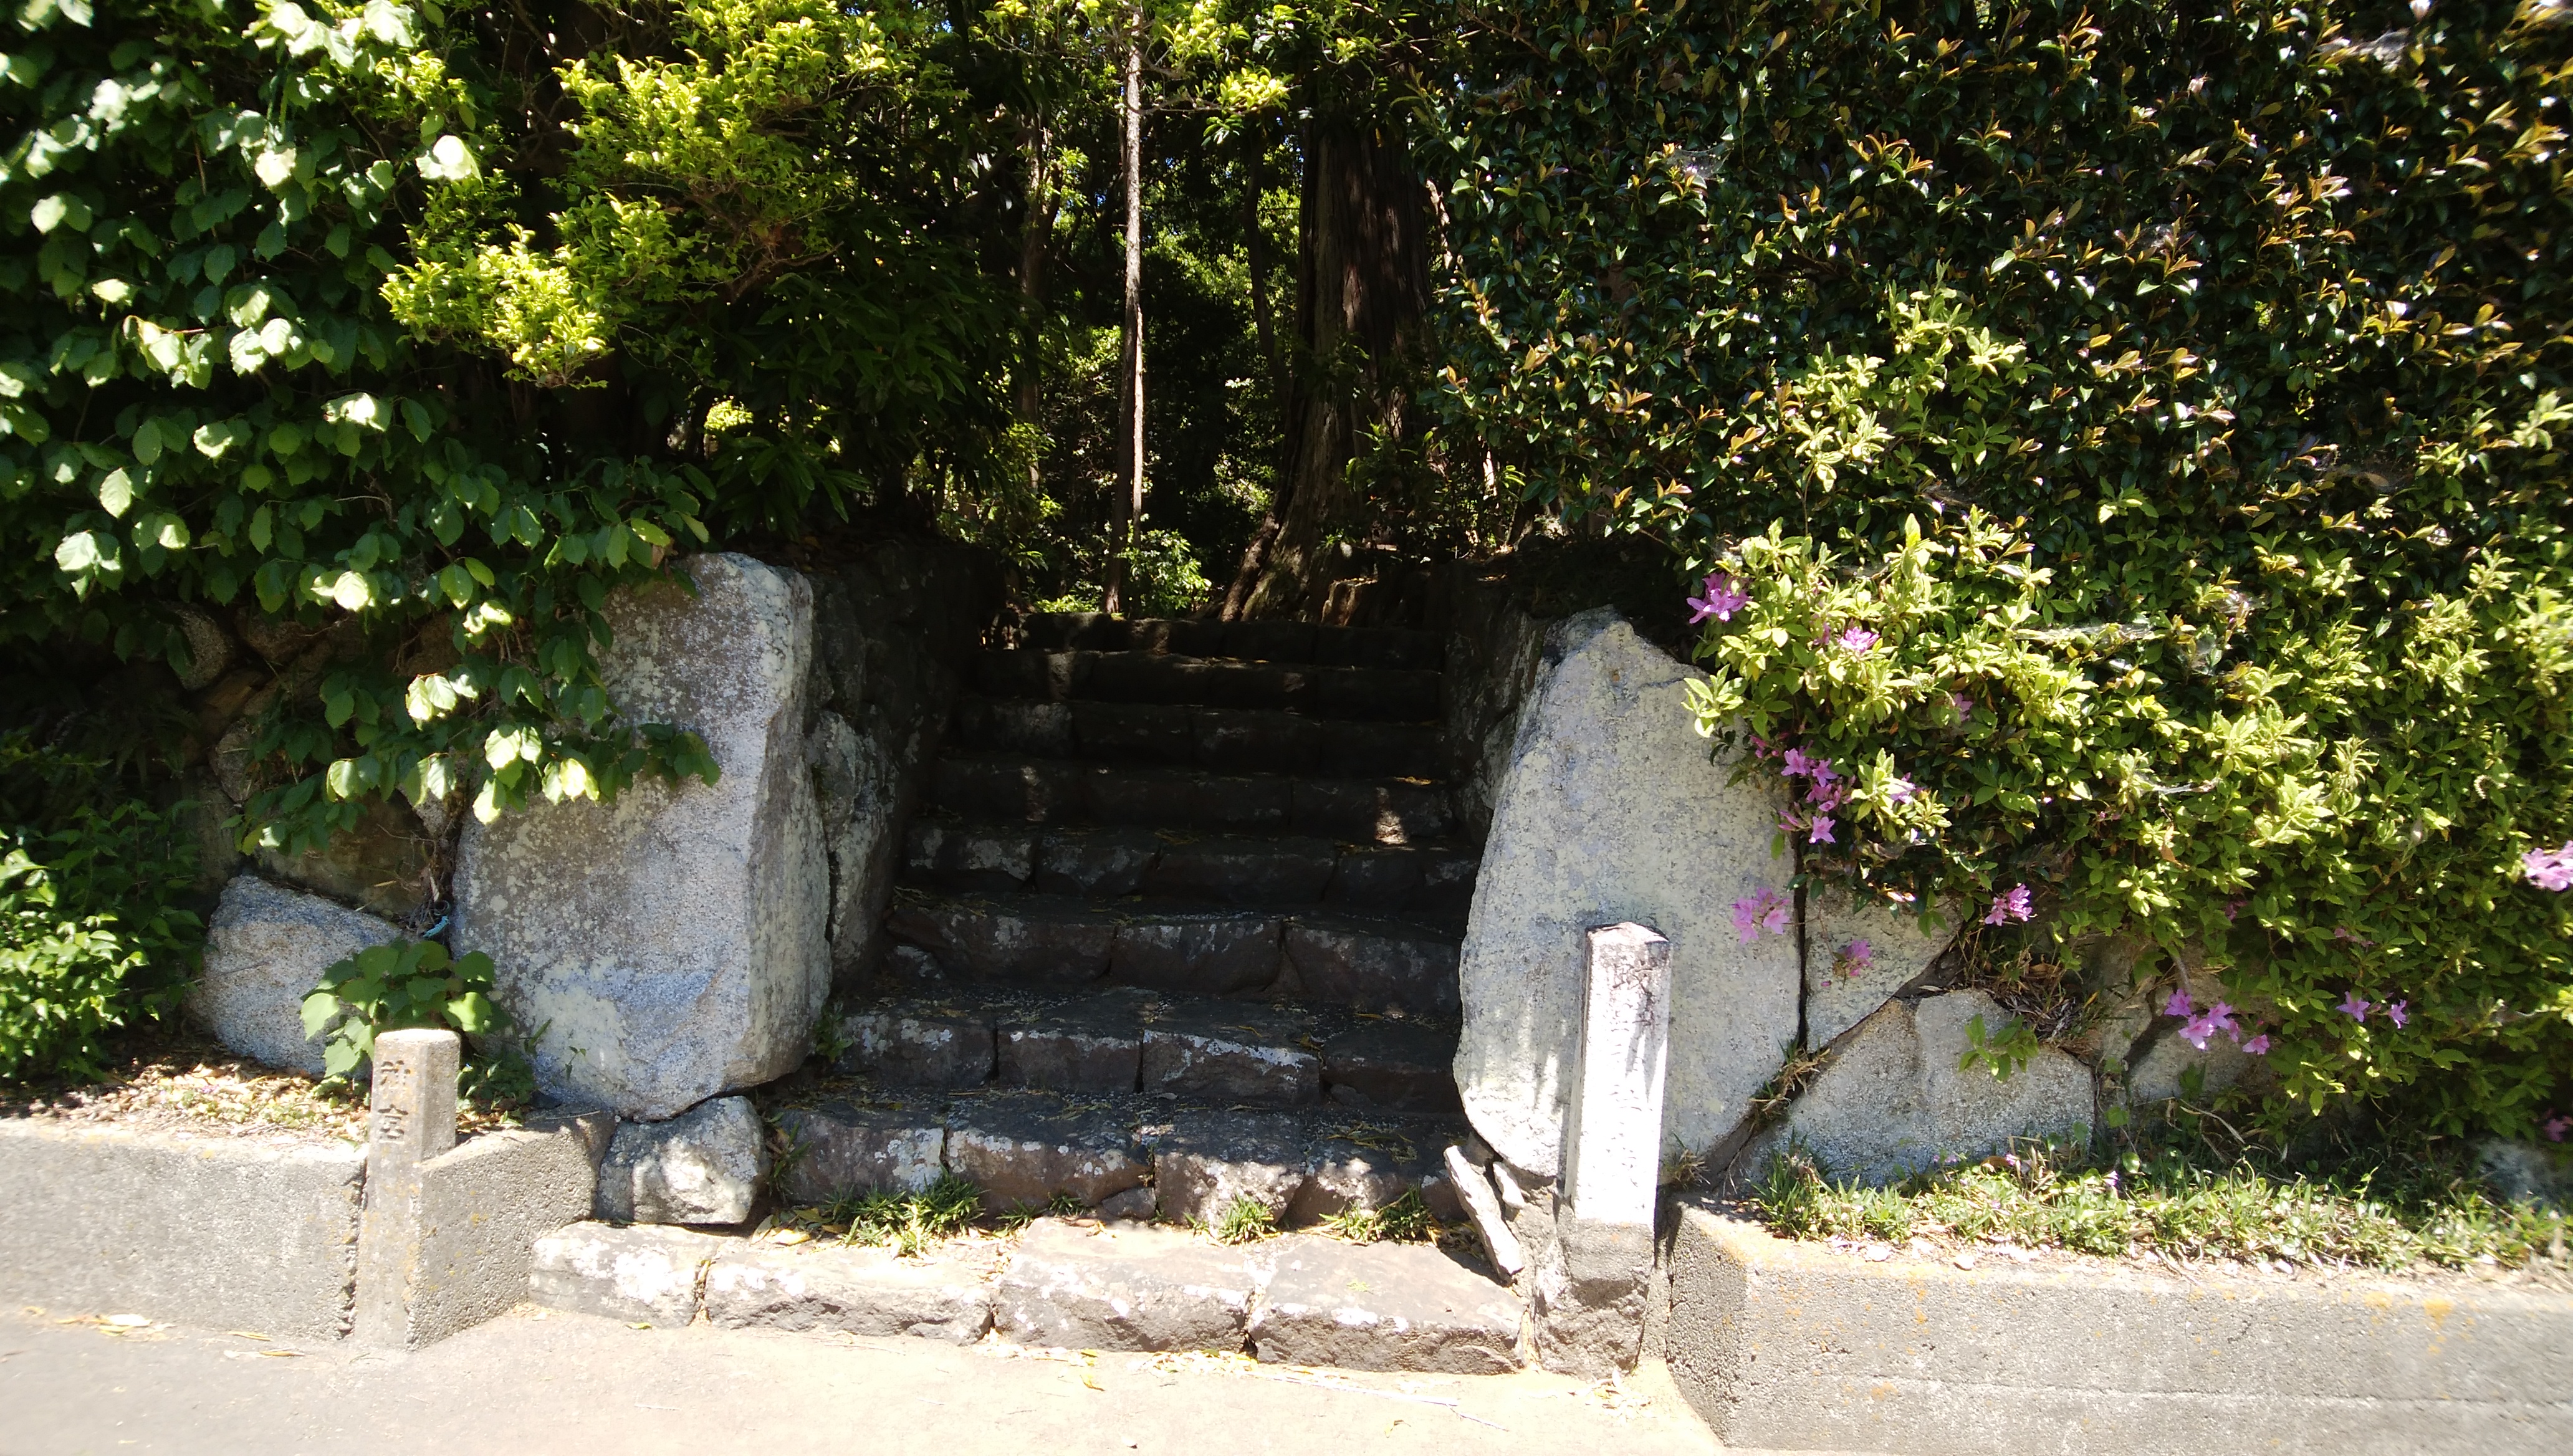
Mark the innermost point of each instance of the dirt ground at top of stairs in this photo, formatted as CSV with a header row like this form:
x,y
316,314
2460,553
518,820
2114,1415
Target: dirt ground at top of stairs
x,y
536,1381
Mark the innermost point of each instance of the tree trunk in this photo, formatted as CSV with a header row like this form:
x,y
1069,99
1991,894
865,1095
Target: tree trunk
x,y
1129,423
1363,284
1036,227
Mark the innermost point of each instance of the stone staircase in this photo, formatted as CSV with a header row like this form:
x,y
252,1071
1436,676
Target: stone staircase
x,y
1177,928
1175,939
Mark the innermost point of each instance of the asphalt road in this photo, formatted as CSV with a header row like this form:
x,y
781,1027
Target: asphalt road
x,y
535,1381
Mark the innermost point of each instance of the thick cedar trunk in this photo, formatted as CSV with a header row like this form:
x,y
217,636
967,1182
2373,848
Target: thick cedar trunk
x,y
1363,283
1130,421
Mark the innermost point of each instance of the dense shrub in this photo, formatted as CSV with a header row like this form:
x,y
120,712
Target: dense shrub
x,y
2125,442
93,933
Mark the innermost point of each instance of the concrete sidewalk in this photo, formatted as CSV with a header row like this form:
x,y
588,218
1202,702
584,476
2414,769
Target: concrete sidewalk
x,y
536,1381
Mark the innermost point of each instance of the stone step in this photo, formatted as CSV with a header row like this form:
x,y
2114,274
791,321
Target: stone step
x,y
1393,647
1256,1054
1233,740
1060,1283
1009,788
1432,879
1378,693
1063,942
1025,1147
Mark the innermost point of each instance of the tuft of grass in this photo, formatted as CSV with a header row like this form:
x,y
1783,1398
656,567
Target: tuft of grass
x,y
1244,1220
2175,1195
1404,1221
908,1222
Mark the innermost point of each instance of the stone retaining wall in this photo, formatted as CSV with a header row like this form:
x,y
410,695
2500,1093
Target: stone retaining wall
x,y
1798,1346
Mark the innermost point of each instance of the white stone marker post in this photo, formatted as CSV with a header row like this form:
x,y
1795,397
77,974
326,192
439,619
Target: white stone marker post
x,y
1613,1136
411,1119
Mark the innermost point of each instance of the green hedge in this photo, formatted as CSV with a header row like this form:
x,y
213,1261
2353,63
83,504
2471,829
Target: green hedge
x,y
2132,433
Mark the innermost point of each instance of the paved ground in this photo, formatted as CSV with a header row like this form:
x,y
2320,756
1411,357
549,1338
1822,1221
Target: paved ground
x,y
538,1382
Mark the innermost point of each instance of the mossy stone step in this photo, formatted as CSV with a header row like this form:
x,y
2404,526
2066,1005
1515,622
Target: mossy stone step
x,y
1227,740
1011,789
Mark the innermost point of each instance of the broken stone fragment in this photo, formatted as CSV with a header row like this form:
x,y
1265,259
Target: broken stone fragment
x,y
702,1166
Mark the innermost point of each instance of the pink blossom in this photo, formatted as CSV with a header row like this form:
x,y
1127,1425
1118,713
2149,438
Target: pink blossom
x,y
2196,1033
1826,793
2549,868
2234,907
1789,822
1855,639
2008,906
1856,960
2179,1004
2258,1045
1724,596
1901,790
2354,1008
1767,910
1799,764
1964,705
2557,1126
2399,1012
1822,831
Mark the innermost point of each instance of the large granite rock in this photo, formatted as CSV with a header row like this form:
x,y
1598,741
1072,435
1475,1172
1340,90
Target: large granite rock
x,y
702,1166
1844,985
266,948
1893,1100
1613,810
670,946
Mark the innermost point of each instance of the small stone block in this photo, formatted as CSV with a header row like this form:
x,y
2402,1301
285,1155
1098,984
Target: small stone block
x,y
918,1046
1383,1306
1122,1287
1400,1066
1374,965
843,1148
866,1291
1022,1149
643,1274
1205,1161
1204,954
701,1166
1232,1053
1096,1045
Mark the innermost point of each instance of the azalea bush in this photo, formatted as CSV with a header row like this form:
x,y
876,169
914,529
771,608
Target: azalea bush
x,y
2118,452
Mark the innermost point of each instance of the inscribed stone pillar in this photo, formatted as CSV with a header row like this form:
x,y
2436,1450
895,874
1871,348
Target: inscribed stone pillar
x,y
1613,1141
411,1118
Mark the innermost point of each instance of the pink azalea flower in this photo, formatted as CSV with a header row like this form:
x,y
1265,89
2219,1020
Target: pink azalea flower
x,y
1775,922
1788,823
2010,905
1901,791
1964,705
2258,1045
2549,868
2234,907
1724,596
2179,1004
1855,639
1860,956
1767,910
2196,1033
1826,793
1746,919
2557,1126
1799,764
2399,1012
1822,831
2354,1008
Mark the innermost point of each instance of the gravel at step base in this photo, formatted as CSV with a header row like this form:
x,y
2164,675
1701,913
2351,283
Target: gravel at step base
x,y
1024,1148
1374,962
1124,1040
1059,1283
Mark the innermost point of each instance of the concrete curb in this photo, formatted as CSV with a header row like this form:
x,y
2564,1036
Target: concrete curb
x,y
219,1230
1792,1346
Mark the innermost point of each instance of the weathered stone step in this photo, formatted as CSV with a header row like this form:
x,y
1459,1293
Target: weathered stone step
x,y
1066,943
1258,1054
1381,693
1236,739
1024,1148
1395,647
1430,880
1300,1299
1060,791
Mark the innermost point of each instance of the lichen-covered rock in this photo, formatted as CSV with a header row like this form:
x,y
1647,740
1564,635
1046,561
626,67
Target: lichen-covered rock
x,y
1613,810
1893,1100
266,949
1841,988
702,1166
672,945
